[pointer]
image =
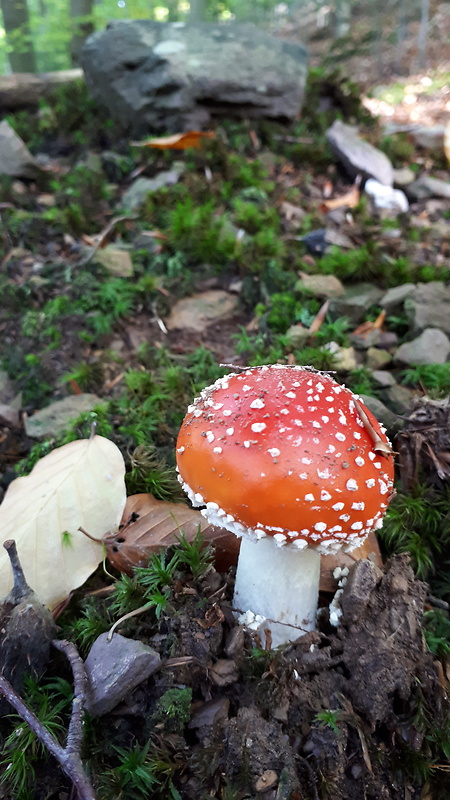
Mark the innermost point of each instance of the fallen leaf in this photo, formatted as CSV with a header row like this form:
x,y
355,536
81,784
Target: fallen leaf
x,y
348,200
79,484
178,141
366,327
149,524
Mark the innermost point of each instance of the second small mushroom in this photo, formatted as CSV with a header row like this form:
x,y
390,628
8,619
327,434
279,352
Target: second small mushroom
x,y
281,456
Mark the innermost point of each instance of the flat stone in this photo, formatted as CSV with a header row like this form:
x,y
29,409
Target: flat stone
x,y
429,307
140,189
383,378
376,358
196,312
431,347
114,669
321,285
297,336
358,156
116,261
55,418
383,414
394,298
403,176
358,299
425,187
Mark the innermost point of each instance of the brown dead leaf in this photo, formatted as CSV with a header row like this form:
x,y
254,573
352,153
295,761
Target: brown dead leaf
x,y
366,327
148,524
178,141
348,200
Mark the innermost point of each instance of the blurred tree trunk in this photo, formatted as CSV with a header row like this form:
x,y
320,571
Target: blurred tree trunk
x,y
197,11
423,33
16,21
402,30
82,26
343,10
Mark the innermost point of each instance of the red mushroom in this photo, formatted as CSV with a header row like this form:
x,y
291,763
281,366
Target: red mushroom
x,y
284,457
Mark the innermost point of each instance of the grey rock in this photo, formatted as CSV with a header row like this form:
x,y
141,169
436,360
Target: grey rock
x,y
357,301
383,414
397,398
9,415
430,138
7,388
114,669
321,285
376,358
383,378
196,312
55,418
429,307
403,176
297,336
389,340
426,186
15,158
140,189
394,298
344,358
431,347
367,340
170,77
358,156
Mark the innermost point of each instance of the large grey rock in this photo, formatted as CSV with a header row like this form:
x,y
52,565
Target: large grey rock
x,y
114,668
358,156
55,418
431,347
169,77
428,306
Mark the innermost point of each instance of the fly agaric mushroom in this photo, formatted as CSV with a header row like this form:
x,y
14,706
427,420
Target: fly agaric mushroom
x,y
293,462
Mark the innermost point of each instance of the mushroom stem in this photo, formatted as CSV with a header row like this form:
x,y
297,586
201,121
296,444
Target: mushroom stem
x,y
280,584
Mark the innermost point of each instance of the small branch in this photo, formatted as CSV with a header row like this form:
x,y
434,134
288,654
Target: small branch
x,y
21,588
75,732
67,757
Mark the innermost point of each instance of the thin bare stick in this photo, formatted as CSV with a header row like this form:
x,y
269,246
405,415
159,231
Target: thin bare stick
x,y
67,757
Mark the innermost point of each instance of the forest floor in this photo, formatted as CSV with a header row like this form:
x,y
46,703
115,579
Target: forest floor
x,y
135,307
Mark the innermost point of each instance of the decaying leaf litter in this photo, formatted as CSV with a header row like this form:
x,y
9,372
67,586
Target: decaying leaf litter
x,y
353,712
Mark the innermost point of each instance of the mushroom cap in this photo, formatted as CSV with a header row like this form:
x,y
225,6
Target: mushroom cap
x,y
283,451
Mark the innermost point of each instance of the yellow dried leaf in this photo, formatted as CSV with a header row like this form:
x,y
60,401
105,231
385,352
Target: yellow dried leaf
x,y
79,484
178,141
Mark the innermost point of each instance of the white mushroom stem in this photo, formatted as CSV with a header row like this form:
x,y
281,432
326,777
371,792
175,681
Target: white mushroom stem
x,y
279,584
